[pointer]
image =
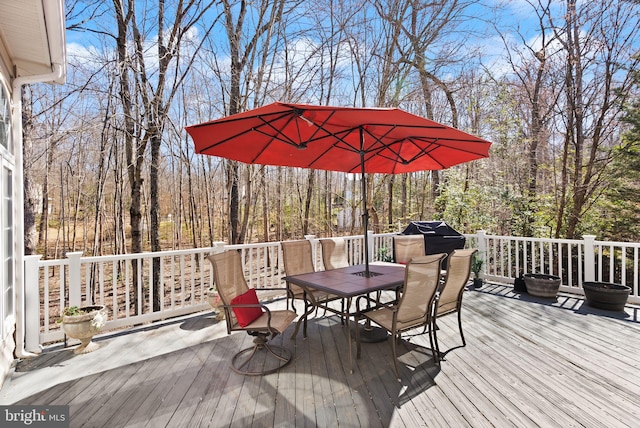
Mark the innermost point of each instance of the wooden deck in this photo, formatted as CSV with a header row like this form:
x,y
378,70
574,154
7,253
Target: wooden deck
x,y
528,362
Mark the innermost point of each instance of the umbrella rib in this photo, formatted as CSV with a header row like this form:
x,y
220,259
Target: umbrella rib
x,y
439,141
284,138
279,115
279,136
407,162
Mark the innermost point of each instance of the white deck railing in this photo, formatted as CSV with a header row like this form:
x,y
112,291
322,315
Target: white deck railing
x,y
185,275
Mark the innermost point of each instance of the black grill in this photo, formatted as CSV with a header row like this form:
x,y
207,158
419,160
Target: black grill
x,y
439,237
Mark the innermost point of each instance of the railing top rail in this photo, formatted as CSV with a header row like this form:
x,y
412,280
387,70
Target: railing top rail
x,y
145,255
617,244
252,245
521,239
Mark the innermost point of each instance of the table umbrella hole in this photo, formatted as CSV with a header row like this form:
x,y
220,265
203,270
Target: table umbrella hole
x,y
367,274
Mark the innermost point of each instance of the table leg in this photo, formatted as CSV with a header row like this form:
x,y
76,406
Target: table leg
x,y
349,342
308,310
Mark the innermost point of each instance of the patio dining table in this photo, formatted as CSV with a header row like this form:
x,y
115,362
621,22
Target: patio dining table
x,y
349,282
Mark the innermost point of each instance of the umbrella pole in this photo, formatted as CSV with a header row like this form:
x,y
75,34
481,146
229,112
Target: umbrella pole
x,y
369,333
365,214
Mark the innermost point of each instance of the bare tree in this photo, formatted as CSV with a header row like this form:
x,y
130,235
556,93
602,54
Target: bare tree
x,y
597,39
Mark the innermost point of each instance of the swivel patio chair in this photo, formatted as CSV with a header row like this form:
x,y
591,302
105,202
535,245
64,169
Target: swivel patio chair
x,y
244,312
449,298
298,259
414,308
405,247
334,253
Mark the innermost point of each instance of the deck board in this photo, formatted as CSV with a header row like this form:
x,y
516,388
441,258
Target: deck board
x,y
528,362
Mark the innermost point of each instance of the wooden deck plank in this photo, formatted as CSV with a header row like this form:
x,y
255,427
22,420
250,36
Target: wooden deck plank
x,y
285,395
353,407
229,401
564,366
325,408
200,402
527,363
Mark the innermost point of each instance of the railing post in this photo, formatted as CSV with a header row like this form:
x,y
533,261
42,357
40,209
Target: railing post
x,y
482,241
75,279
218,246
482,248
589,257
32,304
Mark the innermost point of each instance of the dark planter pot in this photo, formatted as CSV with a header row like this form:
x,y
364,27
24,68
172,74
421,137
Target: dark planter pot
x,y
477,282
606,295
542,285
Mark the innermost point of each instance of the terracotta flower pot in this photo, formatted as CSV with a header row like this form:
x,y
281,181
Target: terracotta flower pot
x,y
84,326
542,285
606,295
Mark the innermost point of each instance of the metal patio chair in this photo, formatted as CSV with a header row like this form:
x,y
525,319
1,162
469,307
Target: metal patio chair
x,y
405,247
244,312
449,298
414,308
298,259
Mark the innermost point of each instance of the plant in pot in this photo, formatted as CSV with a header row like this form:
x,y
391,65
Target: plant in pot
x,y
476,268
82,323
383,255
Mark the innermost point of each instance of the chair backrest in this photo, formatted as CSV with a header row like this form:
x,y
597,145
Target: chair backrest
x,y
405,247
229,278
297,258
458,272
334,253
420,285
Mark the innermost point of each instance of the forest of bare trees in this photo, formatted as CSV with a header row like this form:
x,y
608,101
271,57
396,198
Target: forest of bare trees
x,y
110,169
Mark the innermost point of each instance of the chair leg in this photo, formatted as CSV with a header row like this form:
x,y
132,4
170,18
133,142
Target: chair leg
x,y
260,343
434,345
464,343
394,339
357,328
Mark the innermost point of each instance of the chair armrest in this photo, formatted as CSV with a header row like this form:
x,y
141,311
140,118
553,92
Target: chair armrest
x,y
271,288
247,305
252,305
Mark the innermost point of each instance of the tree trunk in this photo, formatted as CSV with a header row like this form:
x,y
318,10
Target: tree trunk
x,y
30,235
307,201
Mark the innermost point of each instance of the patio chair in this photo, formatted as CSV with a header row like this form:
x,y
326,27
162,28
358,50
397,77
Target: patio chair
x,y
244,312
298,259
414,308
449,298
405,247
334,253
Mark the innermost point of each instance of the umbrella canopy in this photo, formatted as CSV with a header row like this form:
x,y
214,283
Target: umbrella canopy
x,y
380,140
347,139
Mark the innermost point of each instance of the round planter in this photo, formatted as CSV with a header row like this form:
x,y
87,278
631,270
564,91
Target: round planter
x,y
542,285
216,303
606,295
84,326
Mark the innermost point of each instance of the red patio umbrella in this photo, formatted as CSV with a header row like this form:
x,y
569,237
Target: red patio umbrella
x,y
347,139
